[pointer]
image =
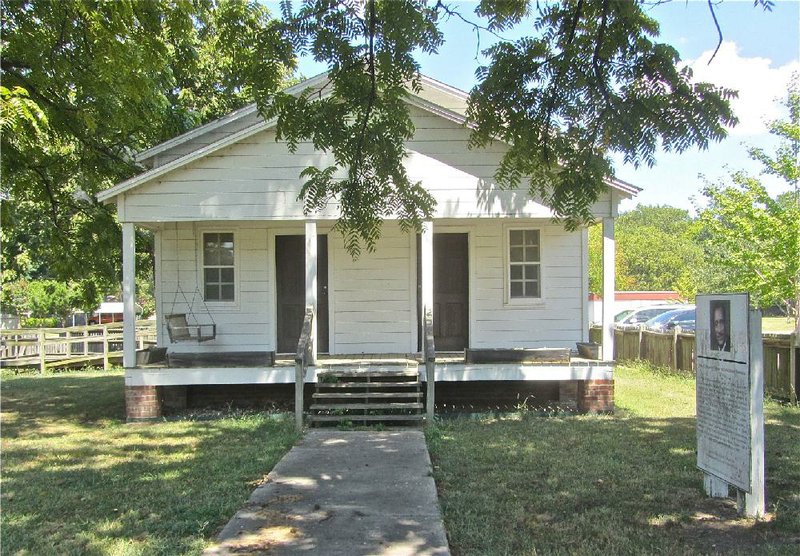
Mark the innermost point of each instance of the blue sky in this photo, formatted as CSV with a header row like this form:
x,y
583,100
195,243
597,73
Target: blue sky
x,y
760,53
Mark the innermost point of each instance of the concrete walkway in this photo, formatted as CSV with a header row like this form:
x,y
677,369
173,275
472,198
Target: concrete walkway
x,y
342,492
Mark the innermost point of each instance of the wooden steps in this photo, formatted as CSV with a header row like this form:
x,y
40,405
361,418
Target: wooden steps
x,y
382,393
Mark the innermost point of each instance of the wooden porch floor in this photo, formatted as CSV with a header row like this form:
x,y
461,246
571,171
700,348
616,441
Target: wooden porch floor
x,y
450,367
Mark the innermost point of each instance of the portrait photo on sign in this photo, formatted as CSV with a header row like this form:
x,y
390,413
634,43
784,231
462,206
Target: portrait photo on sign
x,y
720,325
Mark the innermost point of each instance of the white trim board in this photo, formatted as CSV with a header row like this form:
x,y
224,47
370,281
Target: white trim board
x,y
445,372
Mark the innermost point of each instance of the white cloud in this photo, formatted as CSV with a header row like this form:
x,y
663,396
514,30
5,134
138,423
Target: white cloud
x,y
761,87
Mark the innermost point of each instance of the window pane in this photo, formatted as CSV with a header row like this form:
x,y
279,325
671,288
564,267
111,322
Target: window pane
x,y
531,289
226,292
516,254
531,237
516,289
210,250
515,237
532,254
226,275
212,292
532,272
226,249
211,275
516,272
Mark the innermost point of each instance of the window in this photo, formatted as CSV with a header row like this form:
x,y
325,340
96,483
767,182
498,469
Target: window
x,y
218,264
524,257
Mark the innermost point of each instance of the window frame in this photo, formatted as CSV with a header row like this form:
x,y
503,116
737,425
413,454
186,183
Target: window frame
x,y
507,263
203,266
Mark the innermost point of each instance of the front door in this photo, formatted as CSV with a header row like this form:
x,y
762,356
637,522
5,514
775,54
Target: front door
x,y
290,275
450,291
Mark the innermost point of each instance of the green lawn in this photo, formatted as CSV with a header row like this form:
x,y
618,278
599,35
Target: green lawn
x,y
777,324
622,484
76,479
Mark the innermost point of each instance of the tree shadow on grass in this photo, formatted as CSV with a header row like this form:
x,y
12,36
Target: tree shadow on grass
x,y
78,480
598,484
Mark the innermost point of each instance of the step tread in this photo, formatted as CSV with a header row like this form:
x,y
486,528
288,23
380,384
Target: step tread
x,y
363,395
400,405
366,373
334,418
407,384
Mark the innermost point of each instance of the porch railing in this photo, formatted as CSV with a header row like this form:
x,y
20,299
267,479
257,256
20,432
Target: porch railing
x,y
430,365
301,360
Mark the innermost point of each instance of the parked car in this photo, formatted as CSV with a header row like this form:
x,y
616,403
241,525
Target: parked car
x,y
644,314
622,314
685,318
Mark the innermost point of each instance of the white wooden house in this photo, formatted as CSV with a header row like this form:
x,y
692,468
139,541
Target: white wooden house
x,y
233,246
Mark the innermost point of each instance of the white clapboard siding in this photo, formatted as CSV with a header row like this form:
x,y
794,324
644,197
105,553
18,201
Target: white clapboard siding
x,y
553,321
246,324
373,299
259,179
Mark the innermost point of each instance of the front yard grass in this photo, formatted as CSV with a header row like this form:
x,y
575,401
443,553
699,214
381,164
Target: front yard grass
x,y
76,479
621,484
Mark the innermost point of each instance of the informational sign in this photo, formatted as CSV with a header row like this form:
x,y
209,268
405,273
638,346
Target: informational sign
x,y
730,426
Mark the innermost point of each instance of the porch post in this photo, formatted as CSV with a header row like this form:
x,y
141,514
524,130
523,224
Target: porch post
x,y
609,289
128,295
311,283
426,246
428,349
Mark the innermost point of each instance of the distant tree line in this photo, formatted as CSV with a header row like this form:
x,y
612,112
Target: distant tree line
x,y
741,239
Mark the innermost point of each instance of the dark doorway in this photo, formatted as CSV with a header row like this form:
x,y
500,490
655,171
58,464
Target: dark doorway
x,y
290,277
450,291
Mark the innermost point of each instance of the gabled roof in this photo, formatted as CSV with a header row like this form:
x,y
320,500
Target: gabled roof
x,y
436,97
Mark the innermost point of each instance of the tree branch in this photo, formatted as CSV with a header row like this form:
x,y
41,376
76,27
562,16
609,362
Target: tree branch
x,y
373,85
719,30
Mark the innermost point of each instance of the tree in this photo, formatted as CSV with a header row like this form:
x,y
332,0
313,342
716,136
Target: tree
x,y
85,85
656,249
592,80
112,78
44,298
754,237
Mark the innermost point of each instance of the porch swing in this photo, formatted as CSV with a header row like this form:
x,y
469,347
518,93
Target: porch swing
x,y
179,327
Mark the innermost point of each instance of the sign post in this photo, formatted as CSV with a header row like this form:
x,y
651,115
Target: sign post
x,y
730,399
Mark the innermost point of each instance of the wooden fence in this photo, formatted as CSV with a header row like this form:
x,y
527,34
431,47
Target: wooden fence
x,y
676,351
69,347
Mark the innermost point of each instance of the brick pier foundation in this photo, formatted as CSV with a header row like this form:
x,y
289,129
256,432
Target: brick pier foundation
x,y
596,396
587,396
142,403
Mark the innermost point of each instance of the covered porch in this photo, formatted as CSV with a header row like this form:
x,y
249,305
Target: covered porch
x,y
576,384
585,385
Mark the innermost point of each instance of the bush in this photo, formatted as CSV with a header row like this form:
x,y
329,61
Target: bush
x,y
41,322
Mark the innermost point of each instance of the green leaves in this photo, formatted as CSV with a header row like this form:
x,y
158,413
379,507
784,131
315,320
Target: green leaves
x,y
359,115
754,237
656,249
592,82
85,85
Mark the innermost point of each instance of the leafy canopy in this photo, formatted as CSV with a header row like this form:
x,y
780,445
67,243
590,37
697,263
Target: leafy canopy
x,y
656,250
589,80
85,85
754,237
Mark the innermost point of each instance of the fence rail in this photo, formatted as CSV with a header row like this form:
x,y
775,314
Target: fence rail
x,y
676,350
69,347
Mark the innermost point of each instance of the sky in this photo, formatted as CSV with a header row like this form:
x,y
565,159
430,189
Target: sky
x,y
759,54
